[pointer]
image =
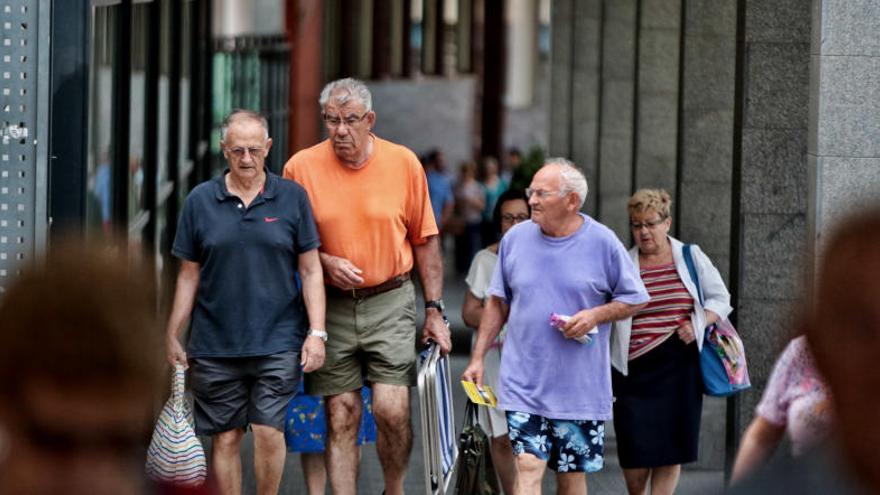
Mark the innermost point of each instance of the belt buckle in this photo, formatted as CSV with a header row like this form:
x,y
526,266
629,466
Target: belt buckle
x,y
354,293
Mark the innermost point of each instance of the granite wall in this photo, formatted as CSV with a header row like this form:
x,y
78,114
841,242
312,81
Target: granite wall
x,y
771,197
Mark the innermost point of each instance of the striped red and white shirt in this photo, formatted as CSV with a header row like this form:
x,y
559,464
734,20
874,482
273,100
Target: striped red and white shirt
x,y
669,307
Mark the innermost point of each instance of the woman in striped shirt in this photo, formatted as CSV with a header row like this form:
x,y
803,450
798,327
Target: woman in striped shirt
x,y
657,382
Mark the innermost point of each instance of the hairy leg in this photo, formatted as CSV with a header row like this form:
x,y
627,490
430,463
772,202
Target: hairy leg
x,y
226,461
341,456
269,454
529,473
505,465
394,440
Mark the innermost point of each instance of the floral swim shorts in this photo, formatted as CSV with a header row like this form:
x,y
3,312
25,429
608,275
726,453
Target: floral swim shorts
x,y
566,445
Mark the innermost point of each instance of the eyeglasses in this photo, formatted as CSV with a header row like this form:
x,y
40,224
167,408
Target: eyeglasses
x,y
350,121
508,218
240,152
647,225
541,194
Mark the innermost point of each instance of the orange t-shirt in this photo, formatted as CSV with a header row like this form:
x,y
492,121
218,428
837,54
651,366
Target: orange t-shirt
x,y
373,215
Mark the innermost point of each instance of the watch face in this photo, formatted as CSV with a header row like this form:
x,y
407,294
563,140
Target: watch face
x,y
436,304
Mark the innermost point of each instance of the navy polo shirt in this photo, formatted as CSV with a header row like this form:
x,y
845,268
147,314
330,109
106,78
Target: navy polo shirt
x,y
247,303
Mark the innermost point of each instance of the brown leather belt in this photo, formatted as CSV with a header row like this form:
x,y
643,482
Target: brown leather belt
x,y
365,292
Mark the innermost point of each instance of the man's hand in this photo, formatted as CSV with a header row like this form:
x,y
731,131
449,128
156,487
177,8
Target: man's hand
x,y
174,352
582,322
436,329
686,332
312,354
341,272
474,372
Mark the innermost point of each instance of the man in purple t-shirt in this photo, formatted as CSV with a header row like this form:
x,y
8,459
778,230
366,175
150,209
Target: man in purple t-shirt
x,y
555,389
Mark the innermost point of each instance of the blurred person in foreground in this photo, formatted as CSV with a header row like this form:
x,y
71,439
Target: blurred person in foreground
x,y
241,238
657,383
512,208
796,401
555,389
842,326
372,208
80,377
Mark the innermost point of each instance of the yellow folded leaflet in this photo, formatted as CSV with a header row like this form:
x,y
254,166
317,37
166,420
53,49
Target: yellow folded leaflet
x,y
484,397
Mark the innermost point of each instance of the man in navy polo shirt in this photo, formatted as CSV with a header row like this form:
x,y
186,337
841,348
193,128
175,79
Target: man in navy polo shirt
x,y
241,238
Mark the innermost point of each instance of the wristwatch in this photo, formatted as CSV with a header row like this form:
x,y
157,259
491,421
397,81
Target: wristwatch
x,y
321,334
436,304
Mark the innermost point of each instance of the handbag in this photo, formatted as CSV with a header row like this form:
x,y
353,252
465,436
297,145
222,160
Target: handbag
x,y
476,473
176,454
723,358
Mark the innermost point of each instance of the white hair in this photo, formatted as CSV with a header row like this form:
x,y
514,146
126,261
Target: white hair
x,y
243,114
345,90
573,179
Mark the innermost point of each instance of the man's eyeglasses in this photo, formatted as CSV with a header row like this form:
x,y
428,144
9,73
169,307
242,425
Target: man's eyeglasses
x,y
240,152
508,218
541,194
647,225
350,121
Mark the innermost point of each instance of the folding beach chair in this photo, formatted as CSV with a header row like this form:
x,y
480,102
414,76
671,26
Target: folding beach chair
x,y
440,448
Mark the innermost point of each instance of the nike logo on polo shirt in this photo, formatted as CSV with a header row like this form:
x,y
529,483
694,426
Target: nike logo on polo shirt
x,y
270,219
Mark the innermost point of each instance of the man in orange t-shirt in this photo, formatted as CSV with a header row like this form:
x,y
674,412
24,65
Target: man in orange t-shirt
x,y
371,204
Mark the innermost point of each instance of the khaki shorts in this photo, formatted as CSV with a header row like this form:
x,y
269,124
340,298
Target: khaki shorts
x,y
372,338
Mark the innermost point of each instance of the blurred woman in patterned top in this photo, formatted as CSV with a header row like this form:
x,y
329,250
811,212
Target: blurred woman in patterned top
x,y
657,382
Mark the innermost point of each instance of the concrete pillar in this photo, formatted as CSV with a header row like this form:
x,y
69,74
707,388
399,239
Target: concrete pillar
x,y
575,85
522,41
844,118
770,184
702,207
704,197
247,17
657,92
561,95
616,126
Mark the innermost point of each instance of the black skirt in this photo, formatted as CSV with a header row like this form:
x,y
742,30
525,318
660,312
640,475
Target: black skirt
x,y
657,407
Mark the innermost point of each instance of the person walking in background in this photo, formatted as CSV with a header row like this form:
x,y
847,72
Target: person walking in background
x,y
657,382
795,401
514,158
240,239
512,208
373,212
439,189
493,187
471,200
554,384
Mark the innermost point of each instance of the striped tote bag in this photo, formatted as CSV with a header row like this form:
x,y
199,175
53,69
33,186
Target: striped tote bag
x,y
176,454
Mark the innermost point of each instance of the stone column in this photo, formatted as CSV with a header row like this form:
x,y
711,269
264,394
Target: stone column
x,y
703,204
704,195
575,86
844,118
770,185
616,127
561,77
523,52
657,94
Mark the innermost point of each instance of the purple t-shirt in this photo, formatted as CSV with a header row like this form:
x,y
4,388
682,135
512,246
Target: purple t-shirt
x,y
542,372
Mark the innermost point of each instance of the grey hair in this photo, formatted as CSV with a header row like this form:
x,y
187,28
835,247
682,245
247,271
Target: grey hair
x,y
573,179
345,90
243,114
